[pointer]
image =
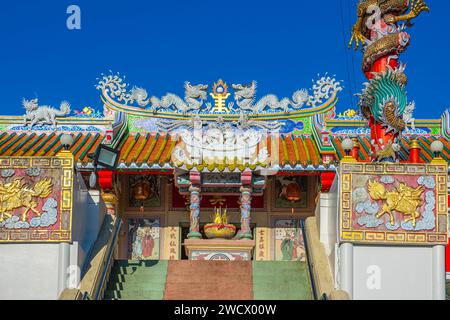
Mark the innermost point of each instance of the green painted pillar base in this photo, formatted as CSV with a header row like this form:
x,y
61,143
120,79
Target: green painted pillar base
x,y
243,236
194,235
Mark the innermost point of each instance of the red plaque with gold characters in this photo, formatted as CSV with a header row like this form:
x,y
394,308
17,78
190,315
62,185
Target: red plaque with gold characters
x,y
36,198
393,203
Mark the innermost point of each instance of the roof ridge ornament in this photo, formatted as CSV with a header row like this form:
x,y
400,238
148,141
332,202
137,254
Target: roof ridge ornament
x,y
44,114
116,95
220,94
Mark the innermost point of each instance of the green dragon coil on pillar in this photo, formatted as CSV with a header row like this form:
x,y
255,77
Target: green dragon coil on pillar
x,y
385,99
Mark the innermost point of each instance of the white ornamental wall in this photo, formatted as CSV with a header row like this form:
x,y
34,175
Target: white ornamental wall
x,y
37,271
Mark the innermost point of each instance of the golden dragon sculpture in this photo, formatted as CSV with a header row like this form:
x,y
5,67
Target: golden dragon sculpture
x,y
17,194
386,13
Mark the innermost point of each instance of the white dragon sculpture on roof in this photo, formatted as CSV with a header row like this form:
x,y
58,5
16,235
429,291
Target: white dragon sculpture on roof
x,y
324,88
195,96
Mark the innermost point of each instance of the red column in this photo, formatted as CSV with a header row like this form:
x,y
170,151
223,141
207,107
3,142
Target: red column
x,y
381,65
377,132
414,152
379,136
355,151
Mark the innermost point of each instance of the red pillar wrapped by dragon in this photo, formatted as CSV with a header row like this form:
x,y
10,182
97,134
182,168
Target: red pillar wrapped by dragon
x,y
383,101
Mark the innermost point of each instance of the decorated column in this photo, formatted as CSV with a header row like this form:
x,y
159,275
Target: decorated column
x,y
246,200
194,228
194,207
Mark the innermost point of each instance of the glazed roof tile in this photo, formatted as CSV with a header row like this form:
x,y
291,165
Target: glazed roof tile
x,y
156,149
29,144
426,155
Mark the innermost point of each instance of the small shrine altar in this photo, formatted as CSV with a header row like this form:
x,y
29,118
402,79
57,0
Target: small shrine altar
x,y
222,242
219,249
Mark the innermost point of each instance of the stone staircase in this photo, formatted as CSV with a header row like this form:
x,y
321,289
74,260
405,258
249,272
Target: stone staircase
x,y
280,280
209,280
137,280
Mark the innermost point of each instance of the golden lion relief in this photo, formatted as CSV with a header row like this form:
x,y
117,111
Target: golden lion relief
x,y
16,195
403,199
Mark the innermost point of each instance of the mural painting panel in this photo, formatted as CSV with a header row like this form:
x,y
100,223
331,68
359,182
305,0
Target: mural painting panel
x,y
144,238
288,241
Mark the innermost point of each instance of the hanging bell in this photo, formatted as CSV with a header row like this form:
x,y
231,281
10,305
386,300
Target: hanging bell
x,y
293,193
142,191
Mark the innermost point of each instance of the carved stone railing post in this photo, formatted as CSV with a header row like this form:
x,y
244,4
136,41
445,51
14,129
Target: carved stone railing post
x,y
194,228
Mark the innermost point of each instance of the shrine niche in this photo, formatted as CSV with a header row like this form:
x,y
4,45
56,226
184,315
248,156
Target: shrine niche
x,y
144,191
288,241
394,203
291,192
36,199
144,238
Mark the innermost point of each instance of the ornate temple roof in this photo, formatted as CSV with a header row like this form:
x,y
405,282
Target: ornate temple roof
x,y
28,144
148,151
302,133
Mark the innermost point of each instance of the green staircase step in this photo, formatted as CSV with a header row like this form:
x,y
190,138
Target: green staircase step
x,y
137,280
279,280
140,269
147,280
136,285
134,295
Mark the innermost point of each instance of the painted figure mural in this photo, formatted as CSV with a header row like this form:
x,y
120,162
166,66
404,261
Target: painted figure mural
x,y
143,242
289,243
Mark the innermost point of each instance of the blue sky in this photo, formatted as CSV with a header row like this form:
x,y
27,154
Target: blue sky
x,y
159,44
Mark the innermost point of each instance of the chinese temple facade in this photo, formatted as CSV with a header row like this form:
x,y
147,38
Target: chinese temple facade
x,y
245,196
